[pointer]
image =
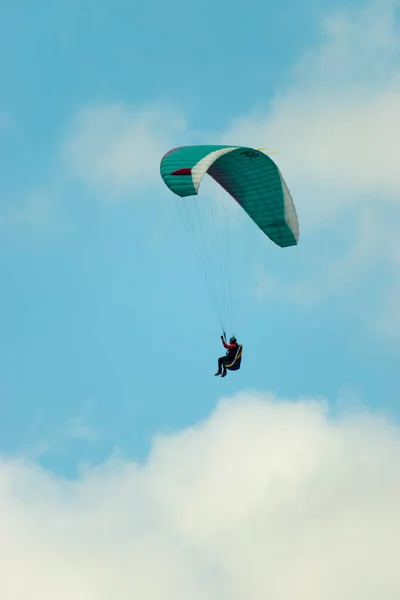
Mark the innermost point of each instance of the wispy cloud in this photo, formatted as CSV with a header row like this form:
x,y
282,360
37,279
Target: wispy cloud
x,y
77,428
114,148
336,126
119,147
264,498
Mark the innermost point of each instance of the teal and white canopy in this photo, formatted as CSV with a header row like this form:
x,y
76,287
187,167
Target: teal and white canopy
x,y
250,176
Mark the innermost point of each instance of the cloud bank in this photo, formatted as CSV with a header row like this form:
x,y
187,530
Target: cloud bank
x,y
264,499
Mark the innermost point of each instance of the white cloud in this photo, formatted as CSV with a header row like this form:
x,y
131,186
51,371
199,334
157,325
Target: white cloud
x,y
78,428
372,251
120,148
264,499
336,128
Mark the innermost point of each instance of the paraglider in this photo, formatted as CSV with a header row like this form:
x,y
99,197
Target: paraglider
x,y
232,359
255,182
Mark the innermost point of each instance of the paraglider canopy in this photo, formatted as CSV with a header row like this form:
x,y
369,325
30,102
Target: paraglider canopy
x,y
248,175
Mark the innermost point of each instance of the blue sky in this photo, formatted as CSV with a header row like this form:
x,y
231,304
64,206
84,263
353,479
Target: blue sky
x,y
107,335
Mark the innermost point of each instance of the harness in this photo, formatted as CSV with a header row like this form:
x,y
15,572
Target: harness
x,y
235,364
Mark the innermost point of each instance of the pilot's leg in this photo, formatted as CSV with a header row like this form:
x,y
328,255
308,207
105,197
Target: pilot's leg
x,y
220,363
